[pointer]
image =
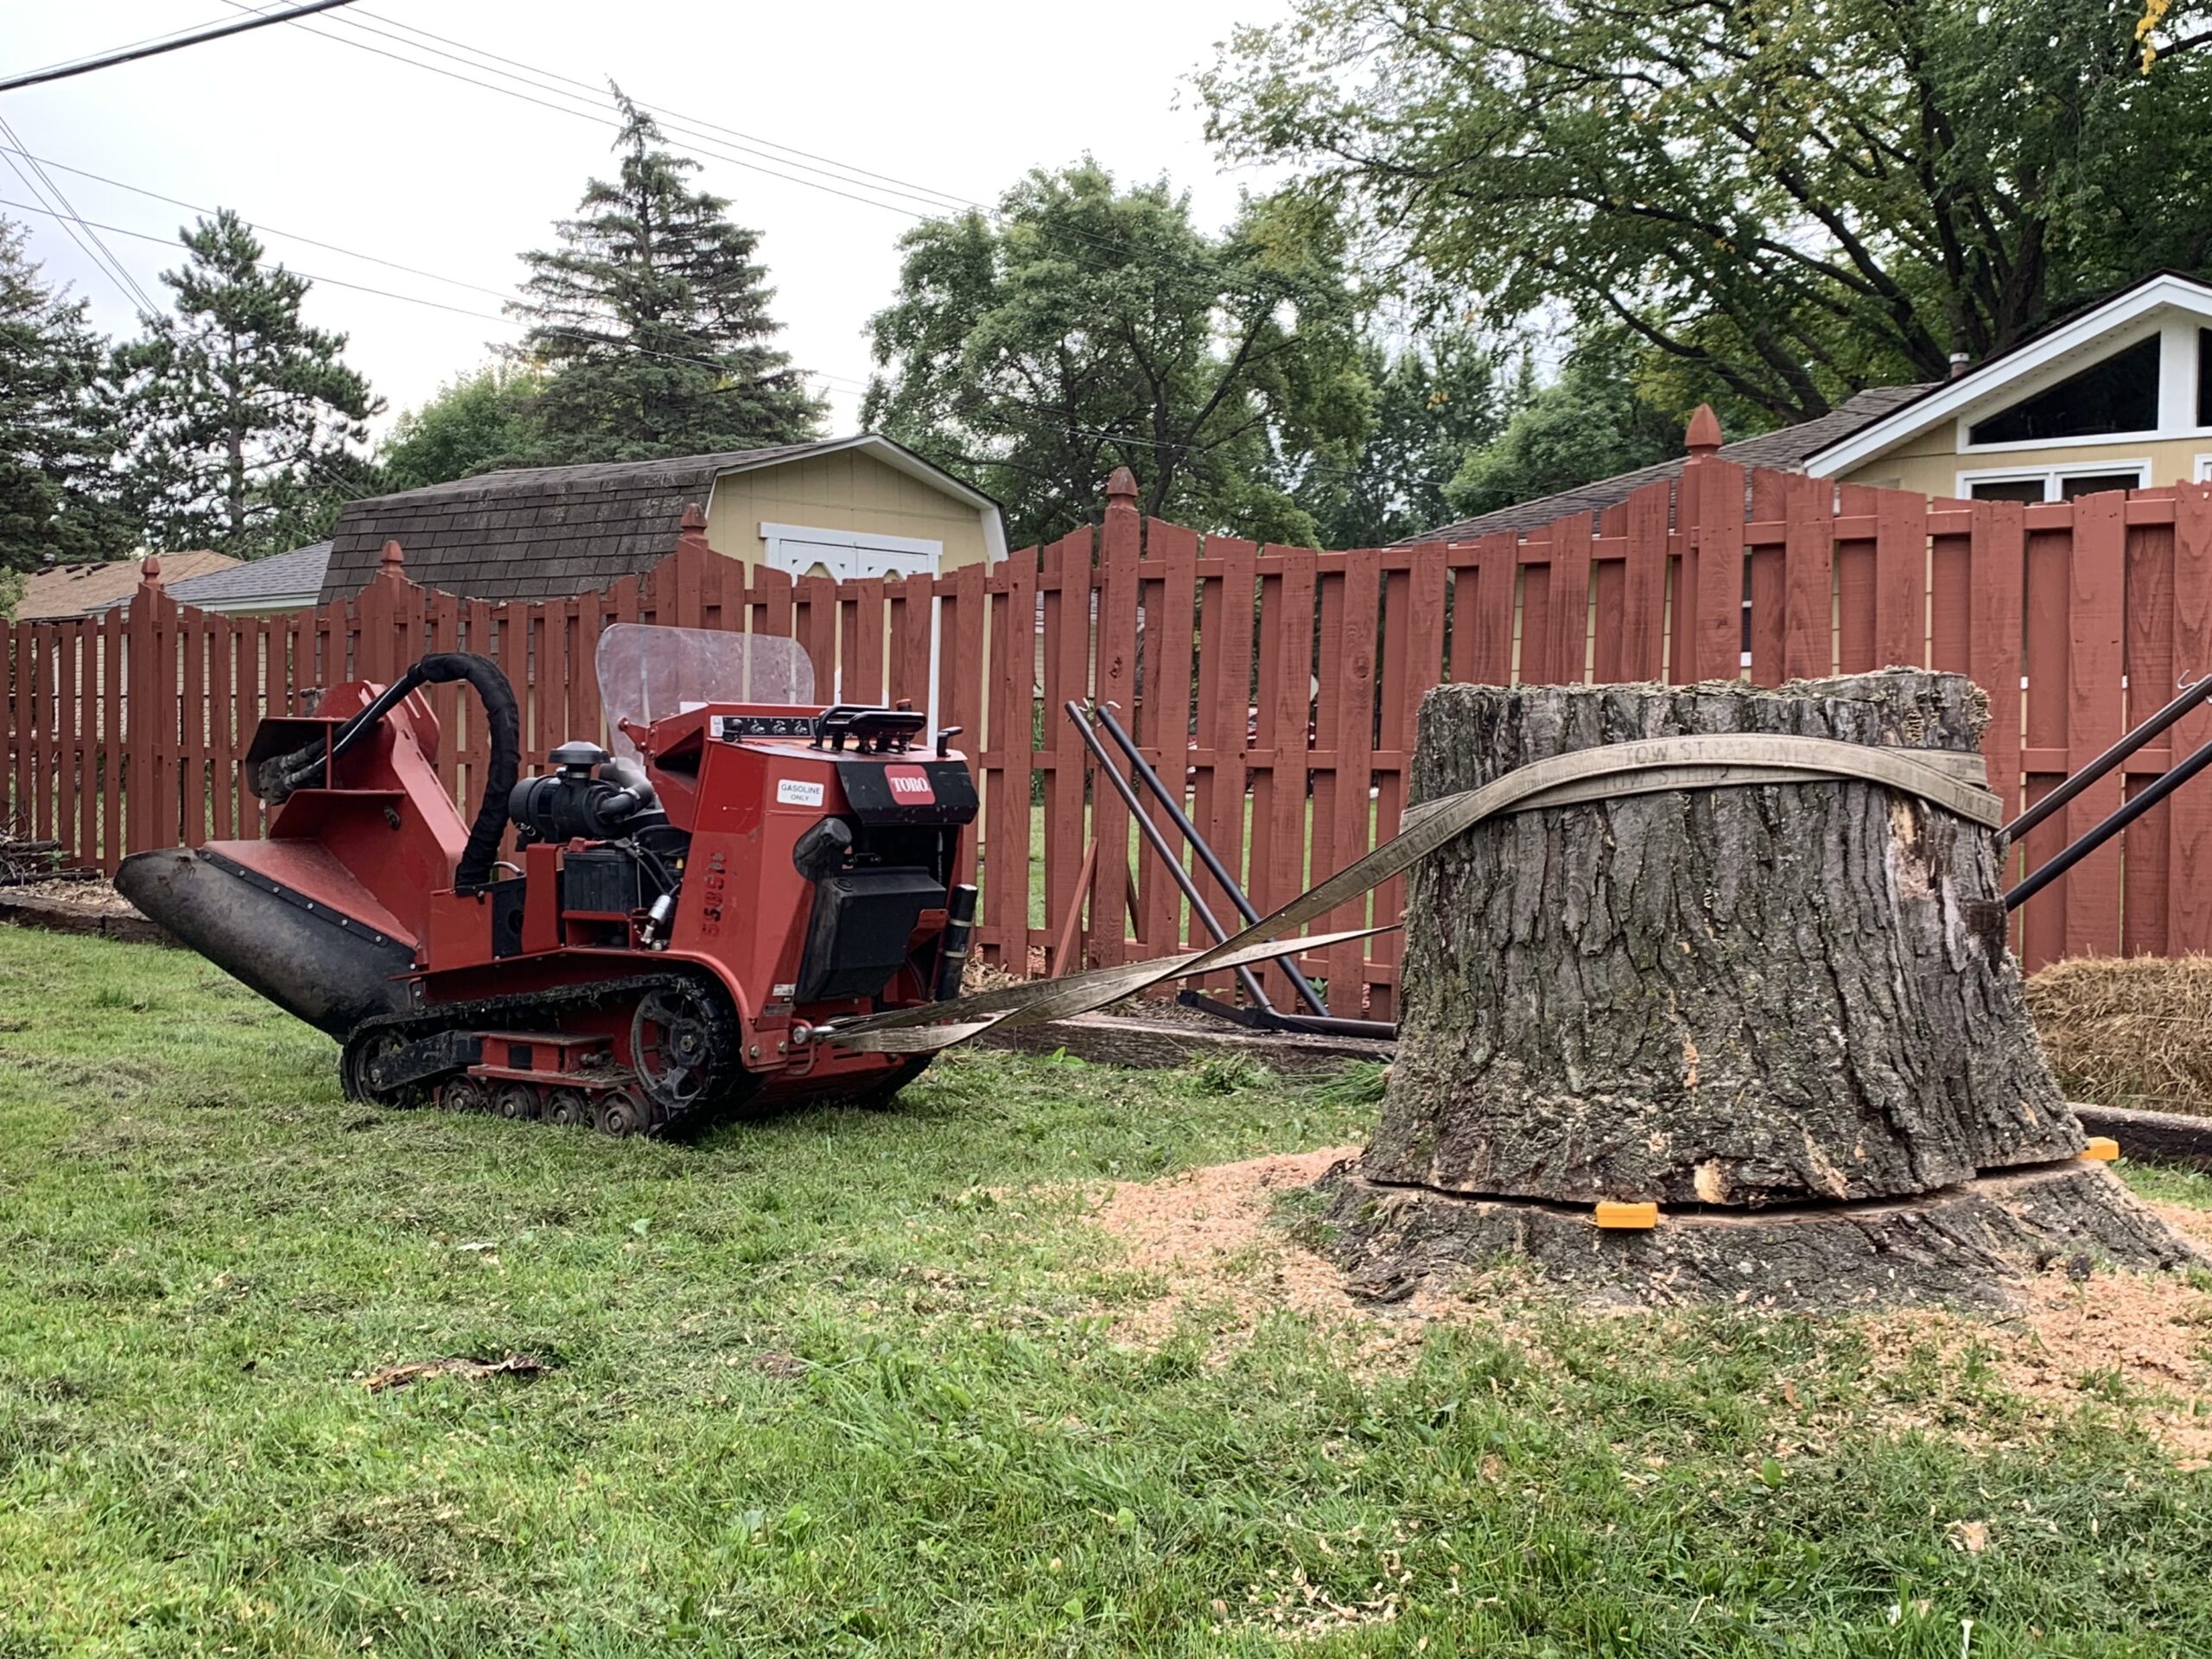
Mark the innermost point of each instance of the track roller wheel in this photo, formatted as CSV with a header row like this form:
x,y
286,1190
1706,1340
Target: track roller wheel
x,y
464,1094
360,1070
518,1100
625,1112
570,1107
677,1041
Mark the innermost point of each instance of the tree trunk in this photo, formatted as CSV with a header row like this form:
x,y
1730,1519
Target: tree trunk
x,y
1718,999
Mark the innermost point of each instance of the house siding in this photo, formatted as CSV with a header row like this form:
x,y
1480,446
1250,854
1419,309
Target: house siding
x,y
1930,464
849,490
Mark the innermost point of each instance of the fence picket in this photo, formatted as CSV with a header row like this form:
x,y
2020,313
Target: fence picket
x,y
1225,672
2189,825
124,731
1715,593
1644,598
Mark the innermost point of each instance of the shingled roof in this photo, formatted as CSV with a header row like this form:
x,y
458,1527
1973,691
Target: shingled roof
x,y
544,532
1786,447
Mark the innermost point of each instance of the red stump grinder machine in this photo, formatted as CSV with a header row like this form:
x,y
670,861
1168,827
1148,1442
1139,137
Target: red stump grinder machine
x,y
685,911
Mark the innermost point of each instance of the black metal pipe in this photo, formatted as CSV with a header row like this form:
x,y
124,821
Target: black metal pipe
x,y
2059,798
2174,778
1199,845
1159,844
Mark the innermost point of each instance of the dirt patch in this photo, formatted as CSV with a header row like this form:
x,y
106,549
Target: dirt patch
x,y
1216,1241
89,896
2129,1031
1207,1233
473,1370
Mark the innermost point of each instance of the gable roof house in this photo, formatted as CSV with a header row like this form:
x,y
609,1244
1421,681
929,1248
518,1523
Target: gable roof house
x,y
283,581
59,592
846,507
2118,396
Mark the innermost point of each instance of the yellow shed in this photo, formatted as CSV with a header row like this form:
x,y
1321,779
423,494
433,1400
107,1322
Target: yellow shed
x,y
844,507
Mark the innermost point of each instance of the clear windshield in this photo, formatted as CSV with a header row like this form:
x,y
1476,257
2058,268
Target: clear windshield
x,y
649,673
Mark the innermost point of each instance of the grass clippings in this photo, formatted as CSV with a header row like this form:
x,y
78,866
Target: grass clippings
x,y
2133,1031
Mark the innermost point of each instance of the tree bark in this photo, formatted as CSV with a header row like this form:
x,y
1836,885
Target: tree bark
x,y
1726,997
1785,1013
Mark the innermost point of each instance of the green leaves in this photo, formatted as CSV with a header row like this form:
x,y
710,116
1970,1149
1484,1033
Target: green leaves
x,y
1088,327
1778,203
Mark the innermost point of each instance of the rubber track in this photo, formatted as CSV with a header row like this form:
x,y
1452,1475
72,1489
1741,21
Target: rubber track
x,y
526,1011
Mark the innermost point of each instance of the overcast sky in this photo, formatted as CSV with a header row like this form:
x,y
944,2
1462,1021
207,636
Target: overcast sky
x,y
308,133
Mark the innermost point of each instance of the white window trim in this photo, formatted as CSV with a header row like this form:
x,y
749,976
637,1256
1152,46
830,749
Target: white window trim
x,y
2204,469
2104,328
2053,476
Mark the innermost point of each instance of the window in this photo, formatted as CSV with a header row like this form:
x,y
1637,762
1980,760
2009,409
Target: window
x,y
2203,380
2117,395
2057,483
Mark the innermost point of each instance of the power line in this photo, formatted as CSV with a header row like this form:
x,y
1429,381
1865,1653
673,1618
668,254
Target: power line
x,y
334,282
102,261
79,232
416,299
157,48
259,227
950,198
939,202
598,120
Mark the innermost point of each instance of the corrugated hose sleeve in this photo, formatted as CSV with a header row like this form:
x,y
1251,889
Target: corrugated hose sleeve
x,y
503,725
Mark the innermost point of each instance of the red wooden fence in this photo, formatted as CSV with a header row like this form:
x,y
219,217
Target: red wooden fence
x,y
1282,683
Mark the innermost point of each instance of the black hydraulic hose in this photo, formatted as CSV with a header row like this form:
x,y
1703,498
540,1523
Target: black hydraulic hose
x,y
503,726
1181,820
2170,780
2059,798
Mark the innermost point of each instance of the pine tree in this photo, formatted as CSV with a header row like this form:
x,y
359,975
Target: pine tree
x,y
651,323
57,494
241,420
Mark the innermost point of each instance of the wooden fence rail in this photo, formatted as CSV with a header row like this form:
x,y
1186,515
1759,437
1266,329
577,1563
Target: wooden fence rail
x,y
1280,683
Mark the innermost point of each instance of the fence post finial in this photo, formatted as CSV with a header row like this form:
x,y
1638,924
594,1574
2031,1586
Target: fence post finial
x,y
392,562
149,573
693,533
1703,438
1122,490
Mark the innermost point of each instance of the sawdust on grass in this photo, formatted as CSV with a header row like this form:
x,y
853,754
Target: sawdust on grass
x,y
1214,1241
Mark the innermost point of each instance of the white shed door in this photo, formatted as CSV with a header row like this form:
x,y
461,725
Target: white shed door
x,y
853,556
848,554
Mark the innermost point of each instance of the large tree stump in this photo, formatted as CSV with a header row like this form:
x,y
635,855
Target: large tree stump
x,y
1723,1001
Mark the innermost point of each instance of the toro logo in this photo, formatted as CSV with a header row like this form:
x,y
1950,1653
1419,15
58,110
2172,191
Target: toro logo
x,y
910,786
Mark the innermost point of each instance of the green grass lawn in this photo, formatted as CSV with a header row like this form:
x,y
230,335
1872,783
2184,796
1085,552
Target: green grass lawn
x,y
849,1381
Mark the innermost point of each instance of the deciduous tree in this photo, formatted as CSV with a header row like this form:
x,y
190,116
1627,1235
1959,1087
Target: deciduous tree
x,y
1783,201
1086,327
475,423
1435,402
